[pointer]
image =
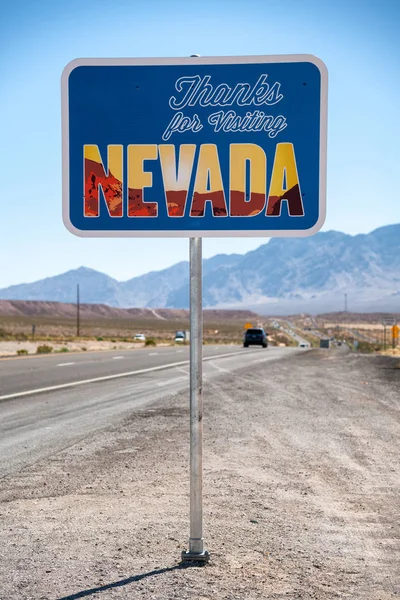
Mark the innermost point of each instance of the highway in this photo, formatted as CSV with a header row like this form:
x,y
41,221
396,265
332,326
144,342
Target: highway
x,y
48,403
24,374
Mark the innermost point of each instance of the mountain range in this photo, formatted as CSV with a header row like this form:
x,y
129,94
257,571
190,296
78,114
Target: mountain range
x,y
324,272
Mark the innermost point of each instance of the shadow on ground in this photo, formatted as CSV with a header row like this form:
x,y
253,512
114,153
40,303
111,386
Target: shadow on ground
x,y
128,580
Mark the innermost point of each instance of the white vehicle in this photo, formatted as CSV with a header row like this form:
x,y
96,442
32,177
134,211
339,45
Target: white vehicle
x,y
140,337
182,336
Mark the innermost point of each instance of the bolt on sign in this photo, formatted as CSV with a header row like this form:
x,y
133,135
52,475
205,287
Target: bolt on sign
x,y
195,147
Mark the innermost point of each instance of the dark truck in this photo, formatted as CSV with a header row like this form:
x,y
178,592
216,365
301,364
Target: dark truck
x,y
324,343
255,337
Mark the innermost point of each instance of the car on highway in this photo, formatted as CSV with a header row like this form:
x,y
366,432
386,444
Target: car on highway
x,y
255,337
182,336
140,337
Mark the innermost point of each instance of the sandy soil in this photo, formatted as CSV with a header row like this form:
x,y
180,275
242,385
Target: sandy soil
x,y
301,494
10,348
392,351
357,325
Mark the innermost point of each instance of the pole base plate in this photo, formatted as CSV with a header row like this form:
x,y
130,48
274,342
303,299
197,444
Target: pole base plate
x,y
201,557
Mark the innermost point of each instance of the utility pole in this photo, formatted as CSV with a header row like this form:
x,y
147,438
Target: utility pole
x,y
345,303
77,311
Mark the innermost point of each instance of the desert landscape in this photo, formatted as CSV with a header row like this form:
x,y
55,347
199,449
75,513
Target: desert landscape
x,y
27,325
31,327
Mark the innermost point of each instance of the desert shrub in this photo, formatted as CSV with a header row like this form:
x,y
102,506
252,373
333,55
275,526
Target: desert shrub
x,y
113,341
22,351
63,349
150,342
366,347
44,349
4,333
99,338
83,349
22,337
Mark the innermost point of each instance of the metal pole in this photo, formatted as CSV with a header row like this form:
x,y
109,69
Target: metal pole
x,y
77,311
384,337
196,550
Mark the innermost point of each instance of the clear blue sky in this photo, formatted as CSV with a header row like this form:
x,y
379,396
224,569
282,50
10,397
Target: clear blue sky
x,y
357,39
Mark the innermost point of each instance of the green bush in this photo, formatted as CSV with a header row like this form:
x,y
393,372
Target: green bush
x,y
150,342
367,347
44,349
99,339
63,349
22,351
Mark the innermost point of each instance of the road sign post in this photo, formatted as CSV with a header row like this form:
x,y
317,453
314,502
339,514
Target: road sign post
x,y
196,550
194,147
387,321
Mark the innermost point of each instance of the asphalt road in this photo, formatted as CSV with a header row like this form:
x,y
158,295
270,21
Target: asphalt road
x,y
85,393
22,374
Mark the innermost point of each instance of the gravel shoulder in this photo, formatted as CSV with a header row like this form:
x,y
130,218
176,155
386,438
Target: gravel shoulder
x,y
11,348
301,494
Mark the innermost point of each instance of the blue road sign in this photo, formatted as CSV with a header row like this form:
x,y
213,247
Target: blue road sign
x,y
194,147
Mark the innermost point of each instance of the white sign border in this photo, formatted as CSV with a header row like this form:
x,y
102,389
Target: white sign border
x,y
203,60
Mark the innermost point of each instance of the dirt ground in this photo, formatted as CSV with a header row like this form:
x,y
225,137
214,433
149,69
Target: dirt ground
x,y
11,348
301,494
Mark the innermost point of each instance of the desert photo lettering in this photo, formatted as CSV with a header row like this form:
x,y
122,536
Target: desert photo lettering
x,y
191,167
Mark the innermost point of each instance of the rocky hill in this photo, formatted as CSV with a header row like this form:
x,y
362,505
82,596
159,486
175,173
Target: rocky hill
x,y
283,276
37,308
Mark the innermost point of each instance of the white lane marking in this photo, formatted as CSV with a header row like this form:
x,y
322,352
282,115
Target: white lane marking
x,y
171,381
220,368
178,351
186,371
65,364
152,353
64,386
118,357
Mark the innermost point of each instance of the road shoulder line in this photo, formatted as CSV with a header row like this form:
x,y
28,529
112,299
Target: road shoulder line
x,y
108,377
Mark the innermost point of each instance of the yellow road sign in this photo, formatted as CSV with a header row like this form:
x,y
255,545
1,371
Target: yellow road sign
x,y
395,331
248,326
